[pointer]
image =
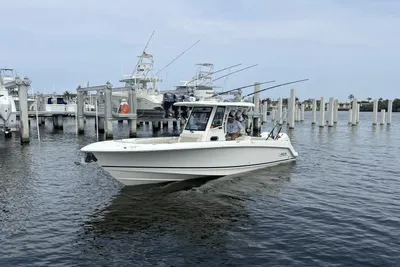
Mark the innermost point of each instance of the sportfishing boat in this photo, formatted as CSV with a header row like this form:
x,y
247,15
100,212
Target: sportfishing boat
x,y
8,108
202,149
143,78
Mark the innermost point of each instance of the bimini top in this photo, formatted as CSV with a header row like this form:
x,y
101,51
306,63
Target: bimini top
x,y
214,103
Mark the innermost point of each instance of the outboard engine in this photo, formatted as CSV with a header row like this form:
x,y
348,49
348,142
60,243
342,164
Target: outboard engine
x,y
89,157
7,132
175,109
168,100
184,109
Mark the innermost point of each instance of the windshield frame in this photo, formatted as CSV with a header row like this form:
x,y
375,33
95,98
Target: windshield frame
x,y
199,119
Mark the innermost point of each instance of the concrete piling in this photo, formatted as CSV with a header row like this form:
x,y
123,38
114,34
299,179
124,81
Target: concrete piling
x,y
350,116
256,120
389,116
302,108
322,112
280,114
284,115
383,113
330,112
375,112
336,111
314,111
264,109
80,112
354,112
23,86
132,123
108,120
292,106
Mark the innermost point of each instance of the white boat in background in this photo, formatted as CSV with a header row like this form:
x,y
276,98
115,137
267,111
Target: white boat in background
x,y
201,150
148,97
8,108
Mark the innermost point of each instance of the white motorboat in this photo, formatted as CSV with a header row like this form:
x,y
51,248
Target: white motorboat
x,y
148,97
8,108
201,149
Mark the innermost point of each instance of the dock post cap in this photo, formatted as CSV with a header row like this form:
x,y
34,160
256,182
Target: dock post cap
x,y
18,80
27,82
108,84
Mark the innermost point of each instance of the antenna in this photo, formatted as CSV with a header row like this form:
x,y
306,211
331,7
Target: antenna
x,y
234,72
177,57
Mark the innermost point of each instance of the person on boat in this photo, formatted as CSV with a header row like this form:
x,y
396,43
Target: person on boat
x,y
234,128
241,121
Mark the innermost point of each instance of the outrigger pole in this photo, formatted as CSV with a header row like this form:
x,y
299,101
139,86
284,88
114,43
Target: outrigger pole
x,y
225,92
269,88
177,57
144,49
215,72
234,72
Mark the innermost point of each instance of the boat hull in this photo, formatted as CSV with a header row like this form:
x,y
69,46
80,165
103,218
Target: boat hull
x,y
144,167
145,102
136,176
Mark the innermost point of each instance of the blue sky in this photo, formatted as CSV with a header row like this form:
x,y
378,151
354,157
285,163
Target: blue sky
x,y
342,46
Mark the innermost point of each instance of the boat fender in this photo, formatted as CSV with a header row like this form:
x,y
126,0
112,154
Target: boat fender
x,y
125,108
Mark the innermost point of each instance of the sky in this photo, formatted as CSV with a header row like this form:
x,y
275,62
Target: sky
x,y
342,47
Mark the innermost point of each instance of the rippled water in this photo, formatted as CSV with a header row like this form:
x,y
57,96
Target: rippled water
x,y
338,205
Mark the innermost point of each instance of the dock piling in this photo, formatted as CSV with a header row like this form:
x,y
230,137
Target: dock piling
x,y
292,106
284,115
80,115
389,116
23,106
350,116
302,108
314,111
280,121
375,112
132,123
336,111
108,120
354,112
383,113
330,112
322,112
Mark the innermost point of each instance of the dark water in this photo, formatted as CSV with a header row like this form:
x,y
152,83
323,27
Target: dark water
x,y
338,205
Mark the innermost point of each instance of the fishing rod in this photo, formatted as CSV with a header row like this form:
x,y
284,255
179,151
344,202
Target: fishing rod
x,y
211,73
272,131
234,72
269,88
177,57
144,49
216,94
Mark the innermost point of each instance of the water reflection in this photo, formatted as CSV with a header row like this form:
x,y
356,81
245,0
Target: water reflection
x,y
193,212
141,206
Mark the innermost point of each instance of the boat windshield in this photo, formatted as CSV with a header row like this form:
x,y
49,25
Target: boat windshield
x,y
198,119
